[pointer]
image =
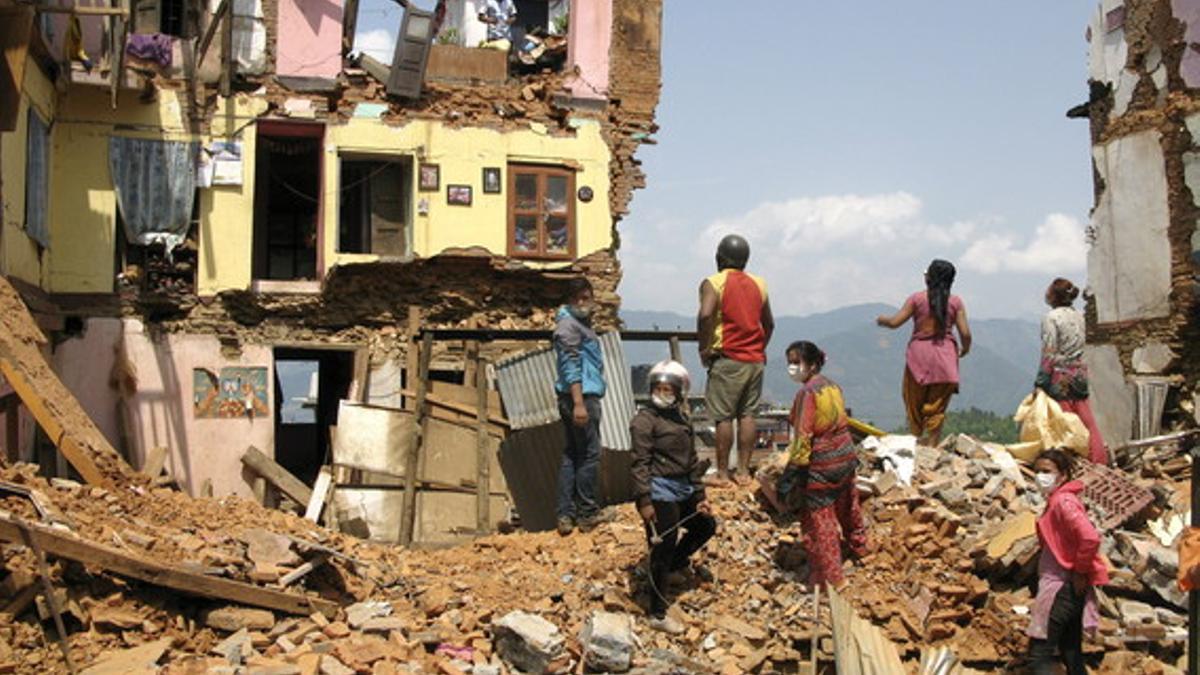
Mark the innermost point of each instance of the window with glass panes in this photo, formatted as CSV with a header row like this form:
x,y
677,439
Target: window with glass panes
x,y
541,212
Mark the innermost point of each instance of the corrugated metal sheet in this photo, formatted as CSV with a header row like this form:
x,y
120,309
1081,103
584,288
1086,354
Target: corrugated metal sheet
x,y
526,383
532,454
530,460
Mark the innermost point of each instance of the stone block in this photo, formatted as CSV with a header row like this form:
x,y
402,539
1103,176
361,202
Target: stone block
x,y
607,640
527,641
232,619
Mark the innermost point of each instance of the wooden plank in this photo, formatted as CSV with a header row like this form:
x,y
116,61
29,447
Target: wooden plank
x,y
358,382
439,401
276,475
202,46
156,459
12,429
54,407
413,459
84,11
483,446
319,492
452,63
49,422
64,545
226,83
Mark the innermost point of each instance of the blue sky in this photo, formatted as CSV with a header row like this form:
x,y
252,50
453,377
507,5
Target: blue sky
x,y
853,142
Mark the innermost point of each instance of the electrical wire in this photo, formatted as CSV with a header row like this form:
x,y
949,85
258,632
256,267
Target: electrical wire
x,y
384,166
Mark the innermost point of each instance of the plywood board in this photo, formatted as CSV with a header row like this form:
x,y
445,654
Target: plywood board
x,y
442,517
375,439
371,438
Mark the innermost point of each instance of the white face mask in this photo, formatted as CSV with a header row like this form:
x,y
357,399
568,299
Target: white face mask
x,y
1046,481
661,401
798,372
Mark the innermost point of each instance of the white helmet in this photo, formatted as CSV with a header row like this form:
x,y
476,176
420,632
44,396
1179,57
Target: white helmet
x,y
672,373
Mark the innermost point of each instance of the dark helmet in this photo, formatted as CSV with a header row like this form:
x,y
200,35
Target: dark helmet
x,y
733,251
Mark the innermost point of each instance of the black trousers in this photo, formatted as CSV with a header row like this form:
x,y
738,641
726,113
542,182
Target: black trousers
x,y
673,552
1065,632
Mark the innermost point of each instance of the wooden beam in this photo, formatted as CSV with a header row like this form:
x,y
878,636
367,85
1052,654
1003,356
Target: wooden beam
x,y
84,11
48,420
278,476
68,546
202,46
442,402
412,461
320,491
349,25
12,428
483,463
227,54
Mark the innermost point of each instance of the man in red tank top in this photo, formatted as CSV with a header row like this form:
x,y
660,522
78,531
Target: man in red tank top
x,y
734,327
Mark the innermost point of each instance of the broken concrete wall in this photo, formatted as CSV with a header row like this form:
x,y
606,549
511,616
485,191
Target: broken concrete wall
x,y
137,385
458,273
1142,267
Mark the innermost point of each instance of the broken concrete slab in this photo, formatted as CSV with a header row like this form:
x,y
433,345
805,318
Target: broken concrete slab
x,y
608,642
1153,358
527,641
360,612
144,657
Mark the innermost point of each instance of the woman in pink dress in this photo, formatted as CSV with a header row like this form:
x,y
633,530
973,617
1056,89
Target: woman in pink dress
x,y
931,362
1069,569
1062,373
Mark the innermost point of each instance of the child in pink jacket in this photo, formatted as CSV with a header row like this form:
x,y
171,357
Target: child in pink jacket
x,y
1070,565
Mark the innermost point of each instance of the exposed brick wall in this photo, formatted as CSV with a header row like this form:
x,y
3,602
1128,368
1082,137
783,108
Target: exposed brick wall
x,y
1150,31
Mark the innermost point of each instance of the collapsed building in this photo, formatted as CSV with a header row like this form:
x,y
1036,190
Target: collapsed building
x,y
1144,259
201,198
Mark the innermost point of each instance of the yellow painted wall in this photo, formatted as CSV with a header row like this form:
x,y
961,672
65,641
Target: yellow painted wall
x,y
18,252
462,154
83,213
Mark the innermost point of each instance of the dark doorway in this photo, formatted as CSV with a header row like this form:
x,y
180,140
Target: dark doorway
x,y
309,385
287,201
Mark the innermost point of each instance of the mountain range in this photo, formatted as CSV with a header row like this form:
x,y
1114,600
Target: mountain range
x,y
868,361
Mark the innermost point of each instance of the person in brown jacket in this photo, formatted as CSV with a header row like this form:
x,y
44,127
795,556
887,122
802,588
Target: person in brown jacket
x,y
667,485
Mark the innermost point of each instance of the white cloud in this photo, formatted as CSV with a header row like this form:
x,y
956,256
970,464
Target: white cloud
x,y
1057,247
818,223
823,252
379,43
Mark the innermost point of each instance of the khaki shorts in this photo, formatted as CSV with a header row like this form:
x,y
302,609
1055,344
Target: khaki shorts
x,y
733,389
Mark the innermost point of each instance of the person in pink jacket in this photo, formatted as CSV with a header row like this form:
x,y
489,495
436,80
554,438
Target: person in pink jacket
x,y
1069,567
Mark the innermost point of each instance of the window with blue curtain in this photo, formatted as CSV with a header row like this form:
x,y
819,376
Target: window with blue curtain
x,y
37,178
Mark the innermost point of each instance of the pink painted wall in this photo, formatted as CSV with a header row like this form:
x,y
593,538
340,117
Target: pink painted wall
x,y
310,38
588,42
85,365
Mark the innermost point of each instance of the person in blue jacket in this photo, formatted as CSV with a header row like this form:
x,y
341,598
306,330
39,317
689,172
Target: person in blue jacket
x,y
580,386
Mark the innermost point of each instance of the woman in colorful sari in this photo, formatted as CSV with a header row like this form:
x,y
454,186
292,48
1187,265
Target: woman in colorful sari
x,y
931,362
821,466
1062,373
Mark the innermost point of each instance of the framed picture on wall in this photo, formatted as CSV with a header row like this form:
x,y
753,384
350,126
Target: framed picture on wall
x,y
429,178
458,195
491,180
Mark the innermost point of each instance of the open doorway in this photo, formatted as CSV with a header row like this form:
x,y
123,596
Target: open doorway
x,y
309,385
287,201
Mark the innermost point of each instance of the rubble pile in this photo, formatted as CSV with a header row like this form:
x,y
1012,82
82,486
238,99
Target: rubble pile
x,y
952,550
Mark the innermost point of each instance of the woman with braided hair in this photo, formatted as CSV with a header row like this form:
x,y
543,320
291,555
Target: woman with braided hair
x,y
931,362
